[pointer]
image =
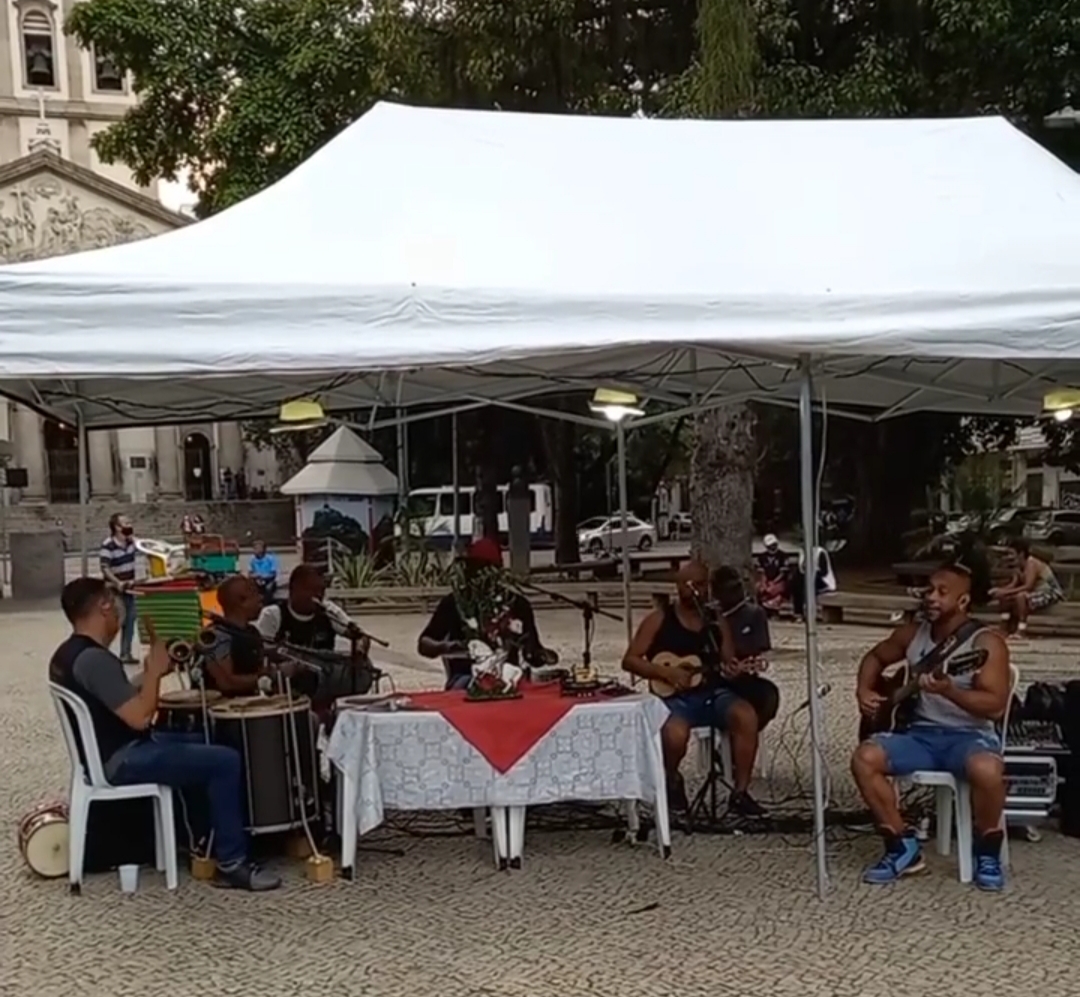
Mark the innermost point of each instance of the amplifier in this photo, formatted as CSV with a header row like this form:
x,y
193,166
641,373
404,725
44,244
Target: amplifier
x,y
1031,784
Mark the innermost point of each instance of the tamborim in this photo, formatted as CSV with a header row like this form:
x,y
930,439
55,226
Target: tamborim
x,y
43,840
272,737
182,711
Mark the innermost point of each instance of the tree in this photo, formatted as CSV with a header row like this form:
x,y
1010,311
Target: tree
x,y
720,83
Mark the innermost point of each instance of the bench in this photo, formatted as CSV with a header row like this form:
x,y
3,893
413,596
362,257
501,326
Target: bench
x,y
404,599
878,609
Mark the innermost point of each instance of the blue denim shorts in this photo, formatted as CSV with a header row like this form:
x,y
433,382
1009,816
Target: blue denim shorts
x,y
939,749
703,707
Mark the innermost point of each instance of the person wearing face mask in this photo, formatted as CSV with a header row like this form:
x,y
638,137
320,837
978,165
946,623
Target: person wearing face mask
x,y
122,716
118,554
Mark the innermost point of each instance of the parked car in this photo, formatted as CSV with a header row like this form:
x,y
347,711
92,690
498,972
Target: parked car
x,y
1058,527
605,533
1008,524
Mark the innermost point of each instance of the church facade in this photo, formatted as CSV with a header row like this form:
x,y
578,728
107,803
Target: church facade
x,y
57,197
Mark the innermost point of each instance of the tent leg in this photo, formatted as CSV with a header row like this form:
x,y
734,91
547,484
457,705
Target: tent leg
x,y
456,479
624,525
84,495
809,520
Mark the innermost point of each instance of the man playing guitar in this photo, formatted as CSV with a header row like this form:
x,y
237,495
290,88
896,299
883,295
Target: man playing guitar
x,y
953,728
680,629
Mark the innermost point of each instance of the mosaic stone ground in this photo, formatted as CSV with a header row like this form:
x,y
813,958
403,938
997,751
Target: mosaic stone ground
x,y
724,916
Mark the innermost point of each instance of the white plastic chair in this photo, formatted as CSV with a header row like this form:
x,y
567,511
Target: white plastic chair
x,y
88,787
952,798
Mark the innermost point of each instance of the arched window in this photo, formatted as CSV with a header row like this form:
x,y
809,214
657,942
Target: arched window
x,y
39,50
108,77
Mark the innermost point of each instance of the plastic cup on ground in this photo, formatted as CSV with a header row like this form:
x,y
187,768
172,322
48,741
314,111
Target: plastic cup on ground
x,y
129,878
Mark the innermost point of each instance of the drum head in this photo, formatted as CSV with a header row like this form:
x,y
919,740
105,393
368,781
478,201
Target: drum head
x,y
240,707
46,847
187,699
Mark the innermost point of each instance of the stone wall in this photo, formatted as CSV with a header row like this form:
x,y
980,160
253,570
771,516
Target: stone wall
x,y
272,520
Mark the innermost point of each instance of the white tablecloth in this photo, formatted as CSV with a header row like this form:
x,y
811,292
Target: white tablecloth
x,y
413,760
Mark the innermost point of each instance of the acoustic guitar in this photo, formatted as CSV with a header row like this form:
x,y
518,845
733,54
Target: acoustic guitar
x,y
900,690
691,664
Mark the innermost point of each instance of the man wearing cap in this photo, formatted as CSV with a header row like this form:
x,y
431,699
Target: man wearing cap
x,y
772,574
447,634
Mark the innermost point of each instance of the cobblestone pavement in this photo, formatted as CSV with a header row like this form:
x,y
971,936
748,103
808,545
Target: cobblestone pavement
x,y
724,916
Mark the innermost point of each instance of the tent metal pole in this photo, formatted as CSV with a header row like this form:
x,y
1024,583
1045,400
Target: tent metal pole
x,y
456,479
84,493
809,522
624,525
402,470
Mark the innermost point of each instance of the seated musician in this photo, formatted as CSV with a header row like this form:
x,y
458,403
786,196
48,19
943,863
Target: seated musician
x,y
479,572
235,660
680,629
122,716
750,641
953,729
307,618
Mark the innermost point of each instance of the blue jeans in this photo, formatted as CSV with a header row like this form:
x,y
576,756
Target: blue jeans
x,y
127,627
458,681
924,748
703,707
182,760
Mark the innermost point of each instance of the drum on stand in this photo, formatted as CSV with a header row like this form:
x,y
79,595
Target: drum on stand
x,y
43,840
182,711
261,729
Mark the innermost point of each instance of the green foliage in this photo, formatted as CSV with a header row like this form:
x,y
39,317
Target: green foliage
x,y
236,94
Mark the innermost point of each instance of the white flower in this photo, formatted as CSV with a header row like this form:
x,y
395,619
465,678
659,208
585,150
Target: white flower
x,y
472,624
517,627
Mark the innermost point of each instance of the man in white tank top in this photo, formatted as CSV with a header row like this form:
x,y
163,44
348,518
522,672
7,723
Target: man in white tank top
x,y
953,729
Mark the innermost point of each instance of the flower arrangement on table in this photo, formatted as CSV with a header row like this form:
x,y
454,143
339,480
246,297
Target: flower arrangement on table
x,y
492,633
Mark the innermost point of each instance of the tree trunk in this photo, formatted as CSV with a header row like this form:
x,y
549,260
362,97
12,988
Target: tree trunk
x,y
560,437
486,496
722,487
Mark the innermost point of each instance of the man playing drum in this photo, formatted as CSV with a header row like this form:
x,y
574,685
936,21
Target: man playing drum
x,y
236,658
122,716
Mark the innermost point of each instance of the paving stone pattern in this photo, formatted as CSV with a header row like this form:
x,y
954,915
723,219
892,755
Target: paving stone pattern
x,y
724,917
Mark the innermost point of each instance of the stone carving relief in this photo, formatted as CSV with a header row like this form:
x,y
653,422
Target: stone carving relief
x,y
44,216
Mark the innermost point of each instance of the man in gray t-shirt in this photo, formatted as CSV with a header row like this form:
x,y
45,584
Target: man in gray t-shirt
x,y
122,717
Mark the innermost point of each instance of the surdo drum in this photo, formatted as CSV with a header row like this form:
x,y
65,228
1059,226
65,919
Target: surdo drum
x,y
181,711
272,737
43,840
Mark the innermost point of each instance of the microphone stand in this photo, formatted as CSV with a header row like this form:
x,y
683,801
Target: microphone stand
x,y
587,607
707,794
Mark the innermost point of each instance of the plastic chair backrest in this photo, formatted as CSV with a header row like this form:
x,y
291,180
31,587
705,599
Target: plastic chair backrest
x,y
69,706
1014,684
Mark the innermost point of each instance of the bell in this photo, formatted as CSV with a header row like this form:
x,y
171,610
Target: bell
x,y
39,69
108,76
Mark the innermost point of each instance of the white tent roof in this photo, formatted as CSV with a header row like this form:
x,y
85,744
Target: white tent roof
x,y
428,254
343,464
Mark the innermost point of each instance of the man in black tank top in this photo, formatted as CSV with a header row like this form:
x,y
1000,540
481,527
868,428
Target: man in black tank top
x,y
680,629
122,717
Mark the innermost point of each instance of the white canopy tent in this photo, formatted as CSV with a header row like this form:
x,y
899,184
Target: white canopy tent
x,y
433,256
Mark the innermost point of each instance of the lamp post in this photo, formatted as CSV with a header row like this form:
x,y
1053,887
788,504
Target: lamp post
x,y
616,406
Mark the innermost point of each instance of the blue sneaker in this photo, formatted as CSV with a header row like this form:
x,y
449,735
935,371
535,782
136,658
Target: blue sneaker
x,y
903,857
989,876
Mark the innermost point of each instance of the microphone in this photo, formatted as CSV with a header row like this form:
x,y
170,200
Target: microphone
x,y
821,692
351,628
